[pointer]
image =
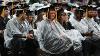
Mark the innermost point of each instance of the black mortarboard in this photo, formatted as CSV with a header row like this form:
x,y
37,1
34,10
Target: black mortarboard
x,y
89,7
10,3
45,9
3,7
19,11
23,6
69,6
40,11
98,8
29,13
79,11
1,2
57,4
13,10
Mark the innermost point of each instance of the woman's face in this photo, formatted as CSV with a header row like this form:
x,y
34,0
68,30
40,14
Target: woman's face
x,y
64,17
52,15
30,18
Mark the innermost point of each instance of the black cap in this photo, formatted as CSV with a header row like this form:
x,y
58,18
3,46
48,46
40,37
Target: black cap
x,y
3,7
24,6
79,11
69,6
57,4
40,11
1,2
29,13
89,7
61,12
13,10
10,3
92,7
19,11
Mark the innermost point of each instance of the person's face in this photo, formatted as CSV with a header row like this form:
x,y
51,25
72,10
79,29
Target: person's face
x,y
23,16
73,10
6,12
90,14
52,15
64,17
79,16
30,18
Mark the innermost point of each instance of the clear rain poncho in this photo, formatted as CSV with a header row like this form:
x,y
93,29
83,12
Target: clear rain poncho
x,y
51,37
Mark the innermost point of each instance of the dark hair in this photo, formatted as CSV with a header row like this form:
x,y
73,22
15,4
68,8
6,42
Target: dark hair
x,y
19,12
39,17
3,8
59,14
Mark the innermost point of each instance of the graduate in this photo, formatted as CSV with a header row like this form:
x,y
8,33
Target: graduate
x,y
92,39
63,19
20,35
3,22
11,8
51,37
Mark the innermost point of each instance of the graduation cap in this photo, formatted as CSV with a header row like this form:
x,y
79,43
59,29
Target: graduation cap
x,y
70,5
57,4
24,6
10,3
37,12
89,7
79,11
29,13
3,7
98,8
92,7
19,11
13,10
1,2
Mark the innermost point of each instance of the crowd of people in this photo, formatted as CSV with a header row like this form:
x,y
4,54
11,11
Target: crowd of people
x,y
57,29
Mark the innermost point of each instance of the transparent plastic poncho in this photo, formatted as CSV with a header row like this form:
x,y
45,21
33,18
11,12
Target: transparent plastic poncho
x,y
51,39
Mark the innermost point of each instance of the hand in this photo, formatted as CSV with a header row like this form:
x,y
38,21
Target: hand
x,y
29,36
89,34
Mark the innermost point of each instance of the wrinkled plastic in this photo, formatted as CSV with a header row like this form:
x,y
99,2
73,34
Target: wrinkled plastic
x,y
50,40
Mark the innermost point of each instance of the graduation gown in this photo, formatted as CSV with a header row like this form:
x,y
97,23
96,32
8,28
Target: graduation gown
x,y
93,26
51,37
79,26
15,27
3,22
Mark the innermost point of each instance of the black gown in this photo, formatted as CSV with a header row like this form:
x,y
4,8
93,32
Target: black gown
x,y
3,22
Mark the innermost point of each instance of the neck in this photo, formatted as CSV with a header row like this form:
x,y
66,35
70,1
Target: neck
x,y
51,19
